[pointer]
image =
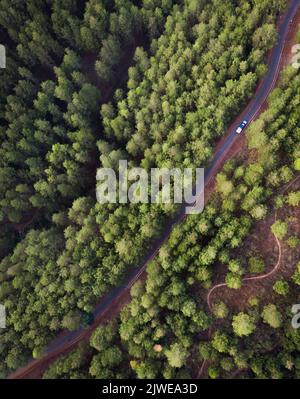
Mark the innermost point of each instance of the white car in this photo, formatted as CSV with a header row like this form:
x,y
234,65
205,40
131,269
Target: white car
x,y
241,127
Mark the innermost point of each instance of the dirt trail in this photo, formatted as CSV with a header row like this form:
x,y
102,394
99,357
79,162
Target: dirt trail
x,y
36,368
254,278
261,277
285,61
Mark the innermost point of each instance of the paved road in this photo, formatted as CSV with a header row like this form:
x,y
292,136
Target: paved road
x,y
65,341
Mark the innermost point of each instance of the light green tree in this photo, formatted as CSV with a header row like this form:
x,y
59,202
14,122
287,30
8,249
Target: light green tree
x,y
280,229
243,325
272,316
176,355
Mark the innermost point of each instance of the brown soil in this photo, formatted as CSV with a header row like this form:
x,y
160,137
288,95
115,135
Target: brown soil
x,y
38,367
120,71
262,239
279,258
291,40
262,242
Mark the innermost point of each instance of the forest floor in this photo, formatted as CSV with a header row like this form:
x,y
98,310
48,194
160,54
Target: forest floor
x,y
239,147
291,40
36,368
261,240
120,70
280,261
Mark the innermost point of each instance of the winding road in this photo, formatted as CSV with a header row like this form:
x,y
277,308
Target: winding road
x,y
68,340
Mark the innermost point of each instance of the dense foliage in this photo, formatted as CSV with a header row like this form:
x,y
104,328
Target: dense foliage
x,y
159,329
156,83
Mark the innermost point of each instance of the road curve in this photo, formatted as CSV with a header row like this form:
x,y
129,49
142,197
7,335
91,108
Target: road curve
x,y
69,340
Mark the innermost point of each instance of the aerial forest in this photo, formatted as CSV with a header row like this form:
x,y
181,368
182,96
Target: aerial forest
x,y
156,83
